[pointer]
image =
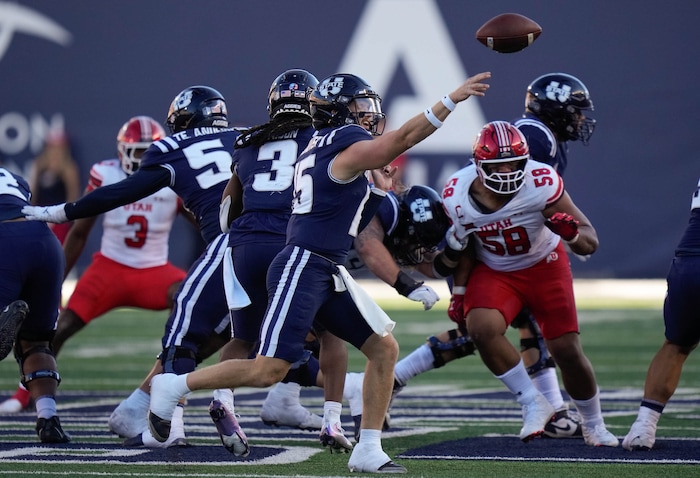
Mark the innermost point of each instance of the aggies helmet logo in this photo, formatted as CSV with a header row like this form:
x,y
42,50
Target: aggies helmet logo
x,y
555,91
420,209
331,86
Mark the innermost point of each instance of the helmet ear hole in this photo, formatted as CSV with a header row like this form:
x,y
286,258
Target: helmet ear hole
x,y
533,106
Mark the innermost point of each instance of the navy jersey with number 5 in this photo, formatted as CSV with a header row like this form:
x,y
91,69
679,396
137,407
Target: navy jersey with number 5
x,y
326,211
195,163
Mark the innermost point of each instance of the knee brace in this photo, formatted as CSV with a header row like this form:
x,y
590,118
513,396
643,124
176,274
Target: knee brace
x,y
21,357
536,342
459,345
178,360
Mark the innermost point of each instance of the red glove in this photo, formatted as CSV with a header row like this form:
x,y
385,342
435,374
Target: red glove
x,y
456,309
564,225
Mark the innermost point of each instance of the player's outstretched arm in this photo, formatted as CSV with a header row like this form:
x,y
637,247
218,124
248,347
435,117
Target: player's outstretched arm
x,y
366,155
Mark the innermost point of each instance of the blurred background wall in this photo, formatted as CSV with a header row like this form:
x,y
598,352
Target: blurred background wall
x,y
87,67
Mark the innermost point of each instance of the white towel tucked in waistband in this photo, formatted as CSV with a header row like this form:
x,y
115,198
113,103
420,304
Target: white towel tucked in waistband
x,y
236,296
381,324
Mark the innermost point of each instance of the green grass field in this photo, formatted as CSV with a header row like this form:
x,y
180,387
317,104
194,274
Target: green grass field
x,y
114,353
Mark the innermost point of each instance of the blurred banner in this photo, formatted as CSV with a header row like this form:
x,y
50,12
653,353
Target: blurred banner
x,y
87,67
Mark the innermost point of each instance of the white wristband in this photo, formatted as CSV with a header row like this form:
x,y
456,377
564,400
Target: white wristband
x,y
449,104
459,290
432,118
572,240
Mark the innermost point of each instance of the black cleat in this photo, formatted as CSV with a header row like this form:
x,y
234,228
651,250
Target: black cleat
x,y
50,431
11,319
160,429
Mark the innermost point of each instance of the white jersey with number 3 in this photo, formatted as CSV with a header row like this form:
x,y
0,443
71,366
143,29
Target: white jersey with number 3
x,y
514,237
136,234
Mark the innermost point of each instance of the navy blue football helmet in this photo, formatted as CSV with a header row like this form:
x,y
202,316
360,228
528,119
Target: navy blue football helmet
x,y
558,100
421,226
197,106
289,93
343,99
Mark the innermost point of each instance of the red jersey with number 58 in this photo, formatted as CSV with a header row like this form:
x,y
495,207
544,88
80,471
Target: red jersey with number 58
x,y
514,237
135,234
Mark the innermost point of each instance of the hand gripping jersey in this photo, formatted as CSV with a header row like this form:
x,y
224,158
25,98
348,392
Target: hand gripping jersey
x,y
515,236
326,212
136,234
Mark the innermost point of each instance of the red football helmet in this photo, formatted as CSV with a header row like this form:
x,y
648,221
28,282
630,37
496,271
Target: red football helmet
x,y
498,143
134,138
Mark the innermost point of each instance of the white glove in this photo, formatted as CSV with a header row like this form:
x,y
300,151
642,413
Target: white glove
x,y
426,295
55,213
224,208
454,242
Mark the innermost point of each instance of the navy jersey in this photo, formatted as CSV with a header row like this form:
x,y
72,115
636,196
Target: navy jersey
x,y
14,195
326,212
388,215
31,261
267,175
542,142
195,163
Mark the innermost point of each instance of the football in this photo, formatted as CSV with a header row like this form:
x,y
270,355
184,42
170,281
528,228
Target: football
x,y
508,32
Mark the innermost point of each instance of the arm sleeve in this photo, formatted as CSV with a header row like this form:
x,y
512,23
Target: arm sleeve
x,y
137,186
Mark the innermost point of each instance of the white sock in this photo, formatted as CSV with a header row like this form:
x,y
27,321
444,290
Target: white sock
x,y
289,390
518,382
419,361
648,415
371,437
331,411
589,410
225,396
45,406
547,383
177,423
180,385
138,400
354,400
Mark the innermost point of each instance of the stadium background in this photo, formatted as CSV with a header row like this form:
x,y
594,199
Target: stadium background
x,y
89,66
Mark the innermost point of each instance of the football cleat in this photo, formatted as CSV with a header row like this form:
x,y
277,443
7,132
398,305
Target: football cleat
x,y
50,431
128,421
146,440
599,436
333,436
283,411
563,425
21,400
11,319
163,403
230,432
536,414
372,460
641,437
